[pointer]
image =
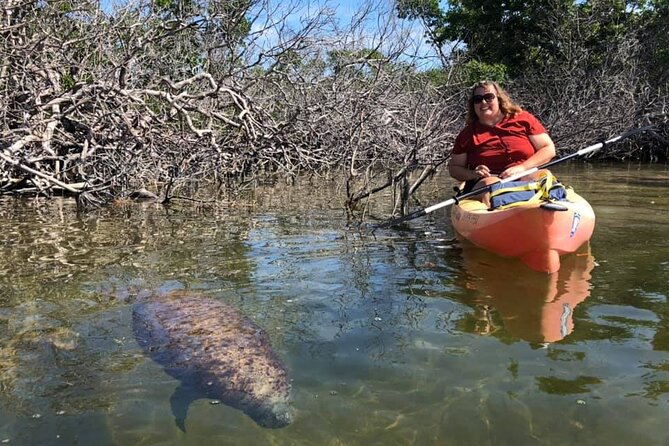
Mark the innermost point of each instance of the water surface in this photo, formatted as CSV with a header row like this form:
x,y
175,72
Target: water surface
x,y
403,337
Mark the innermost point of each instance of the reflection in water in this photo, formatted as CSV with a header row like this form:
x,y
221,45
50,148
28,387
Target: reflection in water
x,y
532,306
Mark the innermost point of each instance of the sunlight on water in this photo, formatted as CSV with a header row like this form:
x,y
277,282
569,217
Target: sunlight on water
x,y
406,336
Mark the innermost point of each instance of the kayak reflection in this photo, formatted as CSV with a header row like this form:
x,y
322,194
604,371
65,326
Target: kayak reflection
x,y
536,307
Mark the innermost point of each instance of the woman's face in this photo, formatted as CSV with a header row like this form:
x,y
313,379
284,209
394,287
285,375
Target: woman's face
x,y
486,104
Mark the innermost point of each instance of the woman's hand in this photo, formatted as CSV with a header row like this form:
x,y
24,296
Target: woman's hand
x,y
482,171
513,170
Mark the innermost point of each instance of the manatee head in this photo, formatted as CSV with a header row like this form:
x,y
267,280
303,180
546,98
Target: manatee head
x,y
273,416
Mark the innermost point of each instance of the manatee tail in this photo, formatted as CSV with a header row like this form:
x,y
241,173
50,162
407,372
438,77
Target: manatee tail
x,y
180,401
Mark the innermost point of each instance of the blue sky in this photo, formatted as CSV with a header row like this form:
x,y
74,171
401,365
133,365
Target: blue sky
x,y
412,32
345,12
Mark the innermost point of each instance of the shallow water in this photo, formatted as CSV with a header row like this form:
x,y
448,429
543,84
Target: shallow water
x,y
404,337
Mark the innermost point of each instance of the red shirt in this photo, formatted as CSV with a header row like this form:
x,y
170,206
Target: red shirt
x,y
503,145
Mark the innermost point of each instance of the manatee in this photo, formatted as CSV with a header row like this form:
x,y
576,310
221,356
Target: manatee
x,y
215,352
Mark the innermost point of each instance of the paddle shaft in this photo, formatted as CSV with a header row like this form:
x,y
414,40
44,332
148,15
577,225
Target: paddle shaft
x,y
479,190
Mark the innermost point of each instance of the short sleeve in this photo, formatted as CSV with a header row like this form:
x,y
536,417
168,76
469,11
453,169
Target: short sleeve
x,y
462,141
534,127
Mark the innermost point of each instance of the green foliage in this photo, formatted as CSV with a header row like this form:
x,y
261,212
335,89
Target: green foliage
x,y
475,71
429,12
229,18
435,76
528,35
289,58
654,23
494,32
164,4
67,82
175,8
507,33
361,61
413,9
65,7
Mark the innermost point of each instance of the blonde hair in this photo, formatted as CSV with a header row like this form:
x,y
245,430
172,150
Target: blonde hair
x,y
506,104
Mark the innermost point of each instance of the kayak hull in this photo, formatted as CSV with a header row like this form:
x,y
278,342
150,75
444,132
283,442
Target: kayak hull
x,y
537,233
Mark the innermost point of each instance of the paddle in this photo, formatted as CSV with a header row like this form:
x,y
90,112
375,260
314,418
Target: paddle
x,y
478,190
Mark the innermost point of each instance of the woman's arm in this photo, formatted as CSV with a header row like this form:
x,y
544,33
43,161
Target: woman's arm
x,y
544,151
457,167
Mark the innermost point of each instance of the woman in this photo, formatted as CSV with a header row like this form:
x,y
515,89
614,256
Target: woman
x,y
499,140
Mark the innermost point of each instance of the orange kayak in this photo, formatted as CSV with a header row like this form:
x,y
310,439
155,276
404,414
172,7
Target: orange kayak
x,y
537,233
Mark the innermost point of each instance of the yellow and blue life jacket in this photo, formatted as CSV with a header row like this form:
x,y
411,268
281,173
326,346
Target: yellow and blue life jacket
x,y
516,193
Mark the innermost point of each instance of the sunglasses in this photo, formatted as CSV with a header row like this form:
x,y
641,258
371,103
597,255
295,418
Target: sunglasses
x,y
488,97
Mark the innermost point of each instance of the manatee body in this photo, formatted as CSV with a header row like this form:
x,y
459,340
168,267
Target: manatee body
x,y
215,352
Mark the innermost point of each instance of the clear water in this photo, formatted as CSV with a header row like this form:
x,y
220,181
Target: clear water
x,y
402,337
